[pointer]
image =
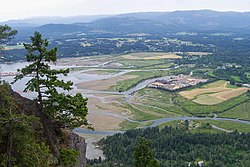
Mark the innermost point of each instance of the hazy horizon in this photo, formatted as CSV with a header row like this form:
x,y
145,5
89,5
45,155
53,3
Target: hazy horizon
x,y
22,9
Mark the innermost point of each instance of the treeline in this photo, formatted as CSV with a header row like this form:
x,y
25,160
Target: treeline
x,y
177,147
224,47
234,75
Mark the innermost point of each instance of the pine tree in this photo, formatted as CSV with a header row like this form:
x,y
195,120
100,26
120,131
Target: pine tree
x,y
144,156
6,33
19,146
55,109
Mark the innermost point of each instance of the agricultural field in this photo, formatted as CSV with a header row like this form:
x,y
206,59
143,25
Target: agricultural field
x,y
241,111
119,73
172,103
151,56
198,53
148,104
13,47
213,93
109,83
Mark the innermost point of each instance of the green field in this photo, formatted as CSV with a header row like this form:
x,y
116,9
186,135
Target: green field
x,y
205,110
213,93
143,75
103,72
126,125
211,74
228,125
168,104
147,104
206,126
160,101
237,79
241,111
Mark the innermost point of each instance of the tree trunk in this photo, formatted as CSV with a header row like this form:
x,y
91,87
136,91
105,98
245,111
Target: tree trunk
x,y
50,132
10,144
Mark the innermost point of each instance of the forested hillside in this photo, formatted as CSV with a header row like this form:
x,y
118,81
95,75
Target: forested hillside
x,y
177,147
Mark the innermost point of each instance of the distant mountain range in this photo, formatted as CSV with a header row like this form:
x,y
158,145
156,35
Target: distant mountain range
x,y
39,21
149,22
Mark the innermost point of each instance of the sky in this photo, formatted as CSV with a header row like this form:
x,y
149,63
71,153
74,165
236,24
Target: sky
x,y
20,9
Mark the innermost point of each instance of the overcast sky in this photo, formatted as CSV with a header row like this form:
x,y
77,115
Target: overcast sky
x,y
19,9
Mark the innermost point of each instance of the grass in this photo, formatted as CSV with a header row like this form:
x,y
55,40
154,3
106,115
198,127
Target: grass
x,y
170,104
213,93
146,124
151,56
207,100
174,104
170,123
143,75
157,66
237,79
139,115
231,86
247,74
103,72
204,110
204,128
241,111
126,125
220,83
140,63
211,74
78,69
159,99
228,125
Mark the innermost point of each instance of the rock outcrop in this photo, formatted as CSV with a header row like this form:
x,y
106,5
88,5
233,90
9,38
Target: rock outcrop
x,y
78,143
73,141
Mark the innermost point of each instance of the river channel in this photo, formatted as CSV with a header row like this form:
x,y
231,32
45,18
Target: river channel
x,y
80,76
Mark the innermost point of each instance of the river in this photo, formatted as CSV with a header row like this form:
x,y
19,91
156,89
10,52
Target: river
x,y
79,77
159,122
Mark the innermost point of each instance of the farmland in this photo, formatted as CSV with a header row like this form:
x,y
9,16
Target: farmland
x,y
151,56
107,82
119,73
213,93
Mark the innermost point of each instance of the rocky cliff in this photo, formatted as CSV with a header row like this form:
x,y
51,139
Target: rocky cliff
x,y
29,107
78,143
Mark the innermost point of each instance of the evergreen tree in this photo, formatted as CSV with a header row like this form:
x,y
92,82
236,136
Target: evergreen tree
x,y
144,156
19,146
6,33
55,109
